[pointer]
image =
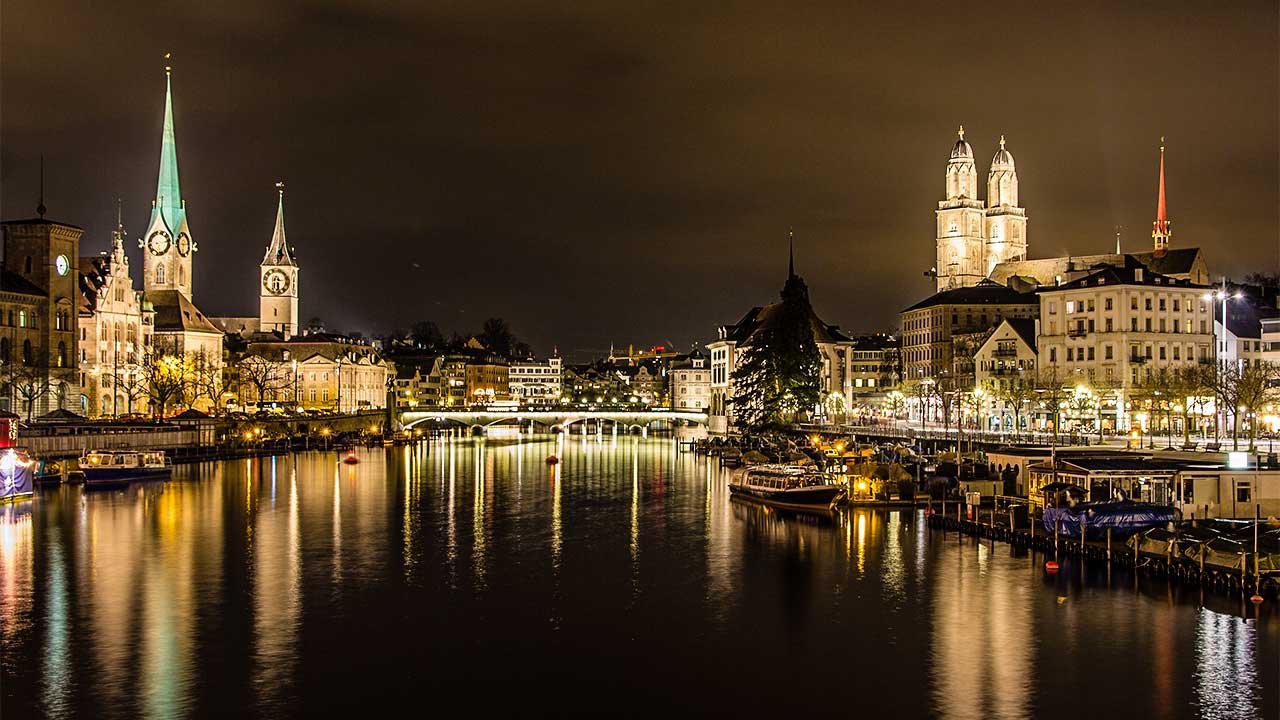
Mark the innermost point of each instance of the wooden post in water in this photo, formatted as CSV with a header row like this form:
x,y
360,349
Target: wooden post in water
x,y
1057,528
1108,546
1082,523
1257,519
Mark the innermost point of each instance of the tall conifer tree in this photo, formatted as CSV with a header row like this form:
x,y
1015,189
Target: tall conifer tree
x,y
779,376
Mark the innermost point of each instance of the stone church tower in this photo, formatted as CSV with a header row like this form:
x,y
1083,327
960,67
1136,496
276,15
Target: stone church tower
x,y
1006,223
960,231
974,237
167,245
278,293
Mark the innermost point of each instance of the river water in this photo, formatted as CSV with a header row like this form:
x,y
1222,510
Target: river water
x,y
468,573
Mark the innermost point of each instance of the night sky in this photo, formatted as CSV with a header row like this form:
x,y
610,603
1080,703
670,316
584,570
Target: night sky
x,y
628,174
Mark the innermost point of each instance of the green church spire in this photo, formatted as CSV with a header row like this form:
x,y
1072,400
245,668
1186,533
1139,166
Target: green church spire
x,y
168,194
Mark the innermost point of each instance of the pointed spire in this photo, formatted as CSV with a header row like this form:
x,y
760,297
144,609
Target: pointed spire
x,y
278,252
168,193
1160,228
117,236
40,208
791,254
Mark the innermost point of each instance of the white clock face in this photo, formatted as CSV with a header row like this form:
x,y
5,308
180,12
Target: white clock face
x,y
158,243
184,244
62,265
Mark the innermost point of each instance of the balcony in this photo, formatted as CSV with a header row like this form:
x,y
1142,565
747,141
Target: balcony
x,y
1138,360
1077,331
1004,353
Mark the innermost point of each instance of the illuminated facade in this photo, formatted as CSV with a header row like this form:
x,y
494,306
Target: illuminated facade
x,y
168,250
974,237
38,339
278,282
115,326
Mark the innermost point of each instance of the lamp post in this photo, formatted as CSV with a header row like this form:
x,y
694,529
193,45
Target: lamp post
x,y
1219,345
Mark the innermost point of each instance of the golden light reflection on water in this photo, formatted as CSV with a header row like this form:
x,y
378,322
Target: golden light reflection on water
x,y
478,530
129,579
983,632
276,591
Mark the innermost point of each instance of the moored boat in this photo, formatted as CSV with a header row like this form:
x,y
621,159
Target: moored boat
x,y
790,487
117,467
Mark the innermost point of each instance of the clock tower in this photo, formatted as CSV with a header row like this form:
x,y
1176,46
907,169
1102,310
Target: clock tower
x,y
278,289
167,247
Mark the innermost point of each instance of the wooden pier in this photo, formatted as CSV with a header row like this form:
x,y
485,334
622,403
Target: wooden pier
x,y
951,516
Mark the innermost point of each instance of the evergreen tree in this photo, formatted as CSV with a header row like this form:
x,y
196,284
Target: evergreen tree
x,y
778,379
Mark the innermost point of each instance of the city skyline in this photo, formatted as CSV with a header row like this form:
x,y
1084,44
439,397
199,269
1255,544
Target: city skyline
x,y
560,177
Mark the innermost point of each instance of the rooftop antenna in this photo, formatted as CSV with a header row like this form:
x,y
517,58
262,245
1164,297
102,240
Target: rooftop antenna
x,y
41,208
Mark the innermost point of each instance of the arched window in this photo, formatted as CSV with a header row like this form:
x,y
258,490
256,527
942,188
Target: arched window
x,y
160,274
28,265
182,275
26,353
4,350
62,354
22,318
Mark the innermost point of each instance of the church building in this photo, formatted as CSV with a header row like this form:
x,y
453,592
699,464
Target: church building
x,y
168,251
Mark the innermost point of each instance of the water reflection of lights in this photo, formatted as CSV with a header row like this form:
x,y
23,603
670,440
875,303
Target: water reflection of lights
x,y
56,680
1226,671
477,515
892,568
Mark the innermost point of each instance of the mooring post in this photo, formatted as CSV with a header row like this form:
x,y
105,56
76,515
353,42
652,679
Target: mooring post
x,y
1057,528
1108,546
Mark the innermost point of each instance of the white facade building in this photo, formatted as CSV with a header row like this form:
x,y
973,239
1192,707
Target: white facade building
x,y
690,382
115,326
536,383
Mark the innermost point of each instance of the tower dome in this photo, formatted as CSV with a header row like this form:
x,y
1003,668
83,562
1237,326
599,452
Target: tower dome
x,y
961,150
1003,159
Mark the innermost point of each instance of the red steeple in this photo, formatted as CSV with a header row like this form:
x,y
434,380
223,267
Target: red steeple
x,y
1160,228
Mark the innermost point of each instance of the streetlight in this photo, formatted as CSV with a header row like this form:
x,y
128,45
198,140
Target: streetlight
x,y
1220,296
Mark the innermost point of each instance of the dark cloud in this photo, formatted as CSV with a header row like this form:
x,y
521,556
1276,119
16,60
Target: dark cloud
x,y
598,172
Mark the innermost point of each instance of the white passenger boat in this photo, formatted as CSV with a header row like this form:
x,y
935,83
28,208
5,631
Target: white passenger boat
x,y
116,467
791,487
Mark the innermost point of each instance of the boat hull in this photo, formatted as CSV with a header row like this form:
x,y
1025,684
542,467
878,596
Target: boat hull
x,y
807,498
103,477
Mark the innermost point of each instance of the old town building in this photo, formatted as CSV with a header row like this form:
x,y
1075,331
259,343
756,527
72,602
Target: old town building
x,y
535,382
115,327
690,382
39,296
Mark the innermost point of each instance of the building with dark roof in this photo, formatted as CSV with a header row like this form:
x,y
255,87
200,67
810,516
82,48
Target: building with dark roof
x,y
39,297
1118,327
116,325
930,327
733,341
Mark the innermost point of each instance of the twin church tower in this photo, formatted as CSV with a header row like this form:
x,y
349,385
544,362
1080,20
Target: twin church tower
x,y
973,236
168,247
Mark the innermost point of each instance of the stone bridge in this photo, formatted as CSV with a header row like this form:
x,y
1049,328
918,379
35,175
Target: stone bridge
x,y
555,419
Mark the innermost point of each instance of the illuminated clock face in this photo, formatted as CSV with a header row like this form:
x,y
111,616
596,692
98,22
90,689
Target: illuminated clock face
x,y
276,282
184,244
158,243
62,265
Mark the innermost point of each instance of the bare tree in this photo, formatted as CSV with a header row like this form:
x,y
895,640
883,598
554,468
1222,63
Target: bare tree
x,y
1246,388
28,381
262,377
166,377
204,380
